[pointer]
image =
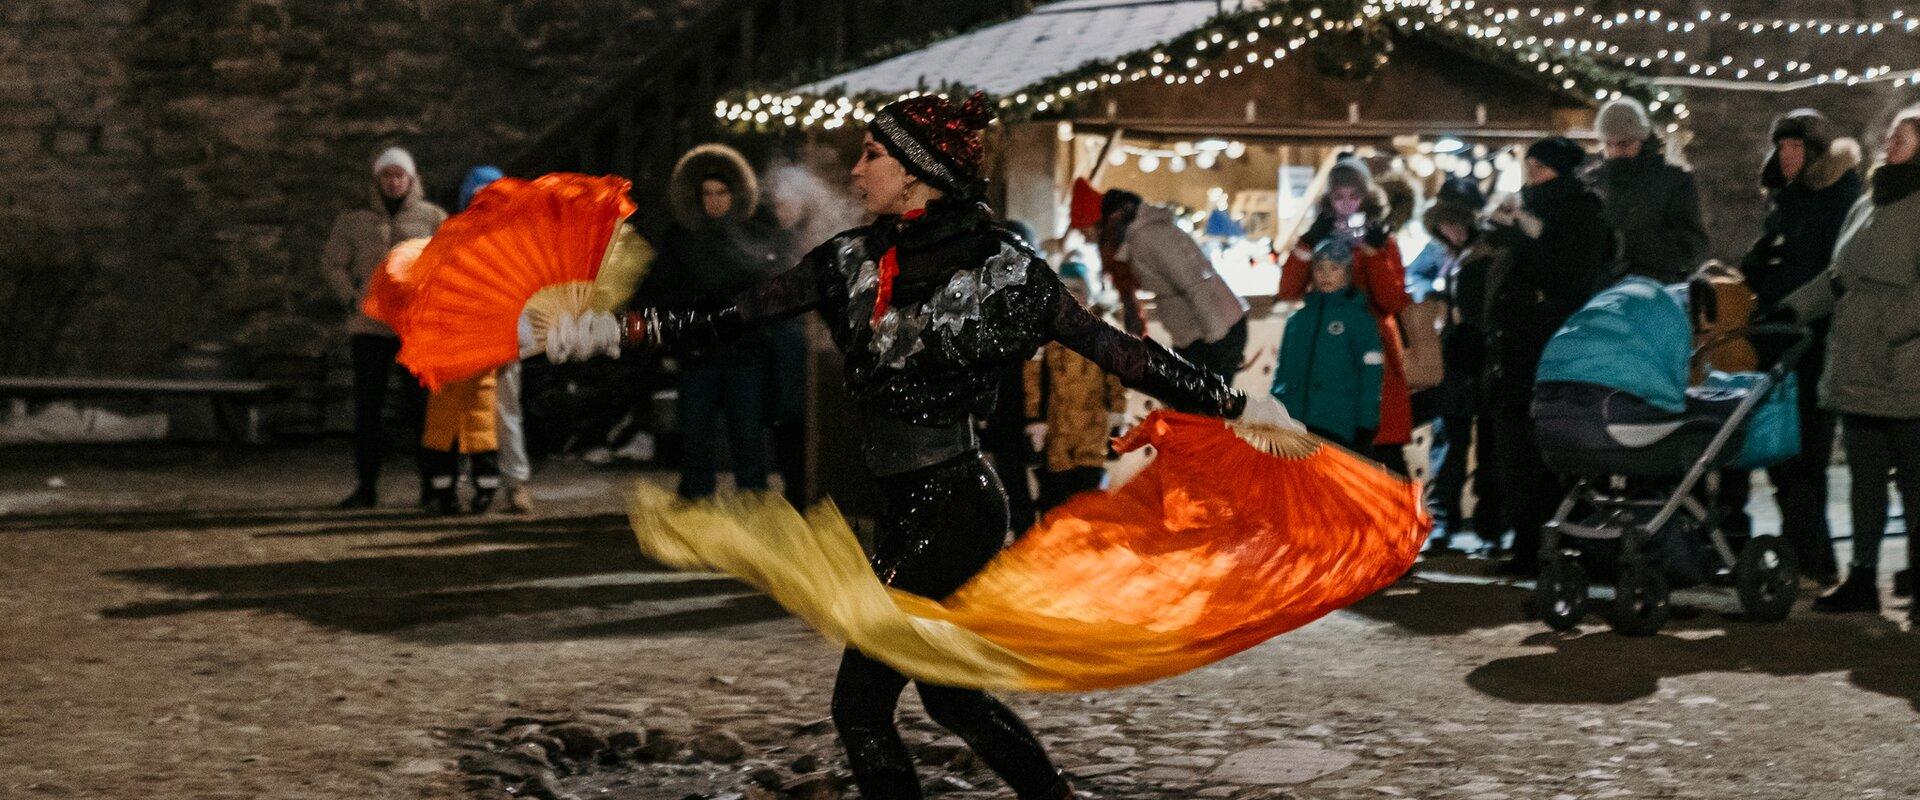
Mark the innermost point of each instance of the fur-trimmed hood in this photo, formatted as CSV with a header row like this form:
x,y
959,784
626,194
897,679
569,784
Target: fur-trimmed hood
x,y
1843,155
1451,211
711,161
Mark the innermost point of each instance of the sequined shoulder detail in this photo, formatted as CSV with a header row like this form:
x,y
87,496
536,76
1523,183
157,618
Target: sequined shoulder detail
x,y
901,331
959,301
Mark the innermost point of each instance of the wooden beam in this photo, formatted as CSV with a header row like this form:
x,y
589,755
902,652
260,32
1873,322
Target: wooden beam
x,y
1100,164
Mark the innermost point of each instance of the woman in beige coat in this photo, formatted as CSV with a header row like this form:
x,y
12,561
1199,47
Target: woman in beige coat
x,y
396,210
1872,294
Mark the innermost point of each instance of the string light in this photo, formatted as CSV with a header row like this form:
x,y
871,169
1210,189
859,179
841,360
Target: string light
x,y
1270,34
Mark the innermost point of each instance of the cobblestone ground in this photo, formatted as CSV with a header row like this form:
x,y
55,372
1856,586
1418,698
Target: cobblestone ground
x,y
196,624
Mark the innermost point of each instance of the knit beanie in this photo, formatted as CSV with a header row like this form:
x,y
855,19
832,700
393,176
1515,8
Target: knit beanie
x,y
1337,249
937,140
395,157
477,179
1350,172
1560,154
1623,119
1084,212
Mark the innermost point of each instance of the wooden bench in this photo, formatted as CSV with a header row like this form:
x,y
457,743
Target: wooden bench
x,y
225,395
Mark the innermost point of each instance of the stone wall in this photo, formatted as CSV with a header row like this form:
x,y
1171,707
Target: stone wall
x,y
175,163
183,158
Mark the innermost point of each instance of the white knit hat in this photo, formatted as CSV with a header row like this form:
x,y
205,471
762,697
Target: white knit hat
x,y
1623,119
395,157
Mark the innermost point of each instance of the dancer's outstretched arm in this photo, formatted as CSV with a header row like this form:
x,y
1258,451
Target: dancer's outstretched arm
x,y
1147,366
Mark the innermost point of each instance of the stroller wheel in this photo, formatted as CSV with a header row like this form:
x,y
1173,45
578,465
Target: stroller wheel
x,y
1560,596
1640,600
1767,578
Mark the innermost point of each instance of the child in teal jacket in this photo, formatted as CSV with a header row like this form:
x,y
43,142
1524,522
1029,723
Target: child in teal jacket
x,y
1331,360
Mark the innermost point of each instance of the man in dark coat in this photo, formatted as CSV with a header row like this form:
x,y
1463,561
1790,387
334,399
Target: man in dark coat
x,y
1812,179
1555,249
716,249
1652,205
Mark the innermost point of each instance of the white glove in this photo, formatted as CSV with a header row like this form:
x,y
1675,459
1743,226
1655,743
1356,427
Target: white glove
x,y
583,336
1263,411
1037,435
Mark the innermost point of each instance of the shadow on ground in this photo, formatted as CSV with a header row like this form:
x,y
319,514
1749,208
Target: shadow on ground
x,y
151,521
1444,608
1605,667
467,570
1599,666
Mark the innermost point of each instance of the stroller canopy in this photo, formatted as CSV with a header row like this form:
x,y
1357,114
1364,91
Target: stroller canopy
x,y
1634,337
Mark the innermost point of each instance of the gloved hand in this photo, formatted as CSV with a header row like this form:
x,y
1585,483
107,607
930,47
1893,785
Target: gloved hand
x,y
583,336
1528,223
1263,411
1318,232
1503,210
1037,435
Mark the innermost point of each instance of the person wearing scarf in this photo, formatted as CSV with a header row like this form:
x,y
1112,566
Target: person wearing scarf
x,y
931,304
1872,377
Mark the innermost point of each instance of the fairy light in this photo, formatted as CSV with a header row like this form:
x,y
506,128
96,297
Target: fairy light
x,y
1276,31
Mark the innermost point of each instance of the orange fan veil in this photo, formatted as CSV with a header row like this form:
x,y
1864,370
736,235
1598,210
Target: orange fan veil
x,y
457,301
1216,546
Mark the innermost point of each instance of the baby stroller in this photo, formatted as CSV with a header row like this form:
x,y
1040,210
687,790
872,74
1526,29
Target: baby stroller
x,y
1613,412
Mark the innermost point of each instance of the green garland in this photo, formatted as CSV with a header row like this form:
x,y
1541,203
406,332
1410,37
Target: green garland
x,y
1207,47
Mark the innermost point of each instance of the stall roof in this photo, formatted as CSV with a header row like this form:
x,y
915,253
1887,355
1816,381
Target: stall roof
x,y
1004,58
1033,63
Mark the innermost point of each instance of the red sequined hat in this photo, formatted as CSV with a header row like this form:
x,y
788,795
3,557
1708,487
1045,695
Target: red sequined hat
x,y
937,140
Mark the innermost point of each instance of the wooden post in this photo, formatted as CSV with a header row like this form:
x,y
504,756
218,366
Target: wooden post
x,y
1100,164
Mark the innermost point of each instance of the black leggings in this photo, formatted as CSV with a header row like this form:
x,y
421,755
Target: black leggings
x,y
940,526
1877,446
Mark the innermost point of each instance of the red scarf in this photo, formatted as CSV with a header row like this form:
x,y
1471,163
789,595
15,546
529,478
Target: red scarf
x,y
890,269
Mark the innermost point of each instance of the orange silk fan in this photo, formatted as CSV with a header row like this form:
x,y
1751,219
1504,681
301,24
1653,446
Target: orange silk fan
x,y
1228,538
554,245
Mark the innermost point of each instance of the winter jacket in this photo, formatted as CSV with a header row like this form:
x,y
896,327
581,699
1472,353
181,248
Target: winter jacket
x,y
1073,396
1654,208
1802,225
1190,299
461,417
358,243
1331,365
1463,341
1537,281
1379,274
705,261
1872,294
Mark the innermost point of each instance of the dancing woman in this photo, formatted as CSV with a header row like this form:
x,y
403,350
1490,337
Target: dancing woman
x,y
930,304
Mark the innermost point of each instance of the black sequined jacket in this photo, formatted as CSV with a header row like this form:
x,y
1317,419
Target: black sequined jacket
x,y
970,299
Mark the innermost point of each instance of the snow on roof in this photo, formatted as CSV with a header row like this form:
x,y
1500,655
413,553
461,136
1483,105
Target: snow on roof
x,y
1050,40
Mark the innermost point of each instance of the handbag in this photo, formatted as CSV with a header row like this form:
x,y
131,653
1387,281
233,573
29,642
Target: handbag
x,y
1420,326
